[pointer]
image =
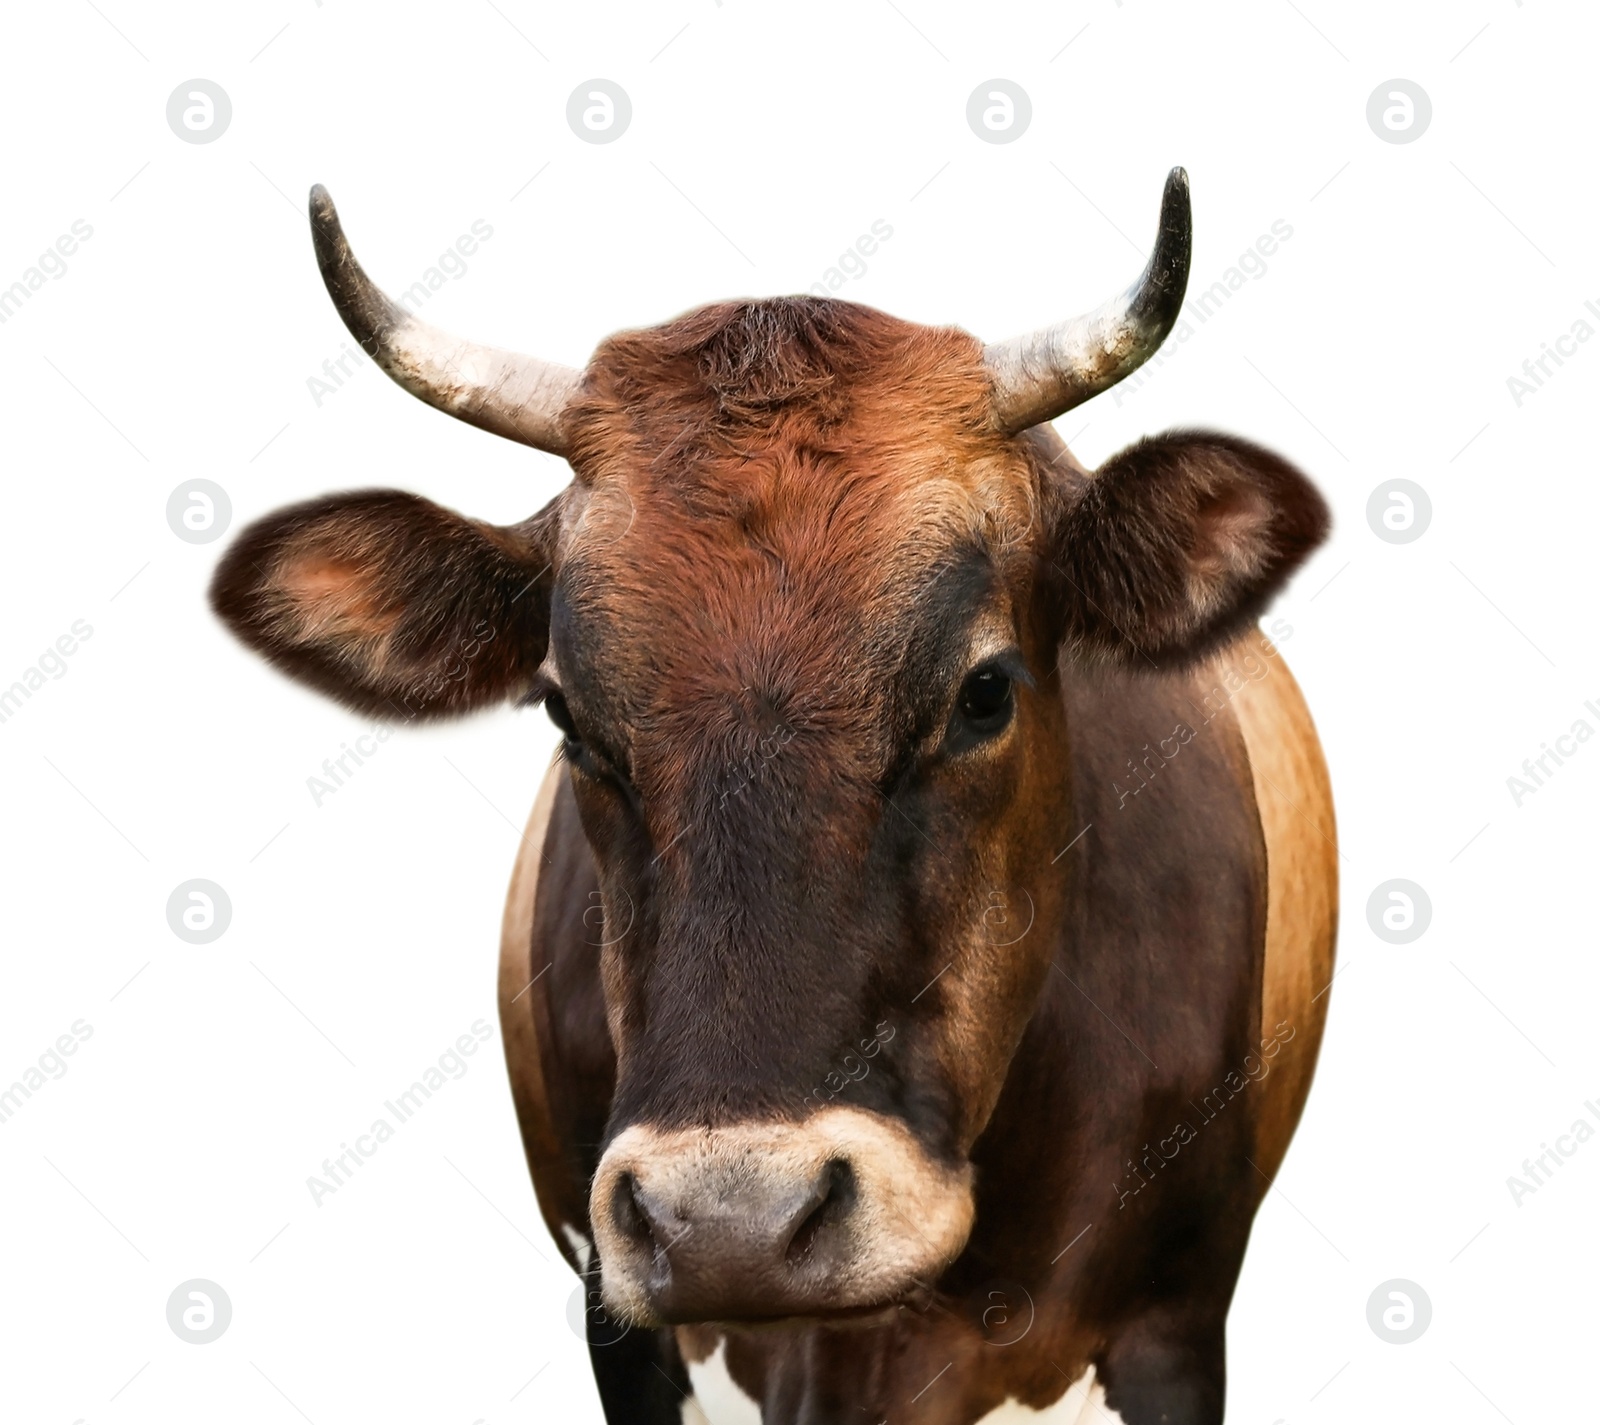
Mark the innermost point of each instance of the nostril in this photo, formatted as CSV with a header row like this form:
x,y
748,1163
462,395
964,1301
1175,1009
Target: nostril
x,y
629,1216
831,1201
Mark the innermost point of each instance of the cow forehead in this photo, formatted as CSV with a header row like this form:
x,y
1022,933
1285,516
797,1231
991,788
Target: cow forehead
x,y
713,633
773,496
778,414
799,534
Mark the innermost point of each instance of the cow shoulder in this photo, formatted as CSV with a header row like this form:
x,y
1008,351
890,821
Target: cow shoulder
x,y
1168,866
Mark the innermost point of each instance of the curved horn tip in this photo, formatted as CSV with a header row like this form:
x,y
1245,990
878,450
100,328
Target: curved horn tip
x,y
1039,375
1177,218
320,206
1161,287
518,397
368,314
326,230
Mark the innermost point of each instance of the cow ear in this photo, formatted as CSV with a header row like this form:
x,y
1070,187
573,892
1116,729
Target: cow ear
x,y
1178,543
392,604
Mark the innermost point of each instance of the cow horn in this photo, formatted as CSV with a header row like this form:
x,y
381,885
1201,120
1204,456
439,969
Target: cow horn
x,y
1038,376
519,397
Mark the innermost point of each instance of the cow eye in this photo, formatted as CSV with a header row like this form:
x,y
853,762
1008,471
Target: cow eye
x,y
986,703
556,707
583,755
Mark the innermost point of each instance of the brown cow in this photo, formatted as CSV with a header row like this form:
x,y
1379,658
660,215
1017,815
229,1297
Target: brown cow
x,y
913,971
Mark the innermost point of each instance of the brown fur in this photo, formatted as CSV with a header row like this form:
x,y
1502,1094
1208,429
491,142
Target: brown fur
x,y
1048,1169
794,533
810,458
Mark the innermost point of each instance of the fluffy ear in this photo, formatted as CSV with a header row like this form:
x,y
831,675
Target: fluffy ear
x,y
392,604
1177,543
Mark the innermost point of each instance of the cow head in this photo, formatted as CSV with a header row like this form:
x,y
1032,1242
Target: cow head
x,y
802,618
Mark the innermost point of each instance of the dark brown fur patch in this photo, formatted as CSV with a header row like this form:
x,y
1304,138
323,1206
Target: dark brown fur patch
x,y
1178,543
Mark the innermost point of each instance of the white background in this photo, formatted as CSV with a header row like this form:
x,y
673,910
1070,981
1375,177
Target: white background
x,y
764,140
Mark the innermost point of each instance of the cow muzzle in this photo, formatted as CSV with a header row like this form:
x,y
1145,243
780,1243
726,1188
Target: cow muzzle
x,y
840,1213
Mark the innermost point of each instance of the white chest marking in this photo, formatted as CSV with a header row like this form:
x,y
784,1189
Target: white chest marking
x,y
582,1247
717,1398
1083,1404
